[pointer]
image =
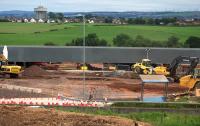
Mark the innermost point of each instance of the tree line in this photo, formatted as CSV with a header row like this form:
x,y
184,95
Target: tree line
x,y
124,40
56,16
151,21
4,20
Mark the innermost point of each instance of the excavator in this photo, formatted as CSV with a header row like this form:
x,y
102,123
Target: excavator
x,y
11,71
191,81
192,61
145,67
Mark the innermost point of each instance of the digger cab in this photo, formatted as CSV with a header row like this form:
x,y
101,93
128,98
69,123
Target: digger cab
x,y
143,68
196,73
146,62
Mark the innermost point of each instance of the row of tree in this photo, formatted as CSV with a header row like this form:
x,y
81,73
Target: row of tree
x,y
4,20
139,20
56,16
124,40
151,21
172,42
90,40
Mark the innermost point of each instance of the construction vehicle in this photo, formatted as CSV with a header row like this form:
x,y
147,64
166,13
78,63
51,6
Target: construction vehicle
x,y
11,71
82,66
145,67
191,81
193,62
109,67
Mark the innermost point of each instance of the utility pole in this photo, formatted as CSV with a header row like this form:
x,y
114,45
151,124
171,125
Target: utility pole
x,y
84,55
84,60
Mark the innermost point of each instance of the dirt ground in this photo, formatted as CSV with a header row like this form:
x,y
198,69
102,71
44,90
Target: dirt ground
x,y
24,116
70,84
5,93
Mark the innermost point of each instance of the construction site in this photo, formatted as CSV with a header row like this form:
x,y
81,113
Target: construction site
x,y
95,85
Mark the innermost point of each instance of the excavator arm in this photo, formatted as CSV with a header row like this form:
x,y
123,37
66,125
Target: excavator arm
x,y
181,59
2,58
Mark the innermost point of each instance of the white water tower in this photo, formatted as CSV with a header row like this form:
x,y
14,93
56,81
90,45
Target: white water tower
x,y
40,13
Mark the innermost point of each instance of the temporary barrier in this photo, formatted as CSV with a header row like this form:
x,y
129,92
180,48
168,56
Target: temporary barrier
x,y
48,102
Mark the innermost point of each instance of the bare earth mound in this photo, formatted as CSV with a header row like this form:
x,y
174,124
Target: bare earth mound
x,y
34,71
24,116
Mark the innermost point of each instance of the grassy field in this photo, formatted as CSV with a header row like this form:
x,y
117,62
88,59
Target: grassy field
x,y
38,34
156,105
154,118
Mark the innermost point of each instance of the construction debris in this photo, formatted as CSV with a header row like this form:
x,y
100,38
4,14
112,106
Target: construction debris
x,y
34,71
24,116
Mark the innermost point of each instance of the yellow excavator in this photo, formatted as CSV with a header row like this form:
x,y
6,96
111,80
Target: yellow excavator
x,y
11,71
145,67
191,81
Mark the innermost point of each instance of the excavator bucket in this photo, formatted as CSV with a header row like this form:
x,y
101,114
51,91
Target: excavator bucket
x,y
2,57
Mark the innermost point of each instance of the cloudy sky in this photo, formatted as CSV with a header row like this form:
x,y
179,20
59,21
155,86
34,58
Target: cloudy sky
x,y
102,5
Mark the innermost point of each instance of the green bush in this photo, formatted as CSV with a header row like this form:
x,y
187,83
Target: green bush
x,y
173,42
50,44
90,40
193,42
37,32
123,40
53,30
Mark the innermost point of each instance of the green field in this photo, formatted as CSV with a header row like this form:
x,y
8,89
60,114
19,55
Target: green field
x,y
38,34
154,118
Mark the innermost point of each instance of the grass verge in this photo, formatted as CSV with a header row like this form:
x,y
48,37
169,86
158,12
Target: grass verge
x,y
154,118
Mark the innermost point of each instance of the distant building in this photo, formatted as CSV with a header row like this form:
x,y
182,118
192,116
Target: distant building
x,y
41,21
40,13
52,21
26,20
33,20
91,21
66,21
116,21
19,21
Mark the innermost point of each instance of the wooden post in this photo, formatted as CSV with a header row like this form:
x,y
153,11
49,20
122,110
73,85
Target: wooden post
x,y
142,91
24,64
166,90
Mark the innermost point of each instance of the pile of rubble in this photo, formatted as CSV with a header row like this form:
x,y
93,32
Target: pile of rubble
x,y
35,71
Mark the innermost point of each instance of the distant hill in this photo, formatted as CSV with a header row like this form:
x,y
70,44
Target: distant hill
x,y
17,13
192,14
186,14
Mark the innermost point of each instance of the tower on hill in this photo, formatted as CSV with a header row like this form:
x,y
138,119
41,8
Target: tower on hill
x,y
40,13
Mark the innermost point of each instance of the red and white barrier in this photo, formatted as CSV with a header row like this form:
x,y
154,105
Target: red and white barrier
x,y
49,102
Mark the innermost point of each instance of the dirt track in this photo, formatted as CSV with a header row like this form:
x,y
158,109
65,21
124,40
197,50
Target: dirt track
x,y
23,116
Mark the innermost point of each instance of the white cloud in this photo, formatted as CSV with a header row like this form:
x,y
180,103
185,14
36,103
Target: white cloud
x,y
102,5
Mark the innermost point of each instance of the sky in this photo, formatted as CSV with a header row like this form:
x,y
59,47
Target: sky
x,y
102,5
